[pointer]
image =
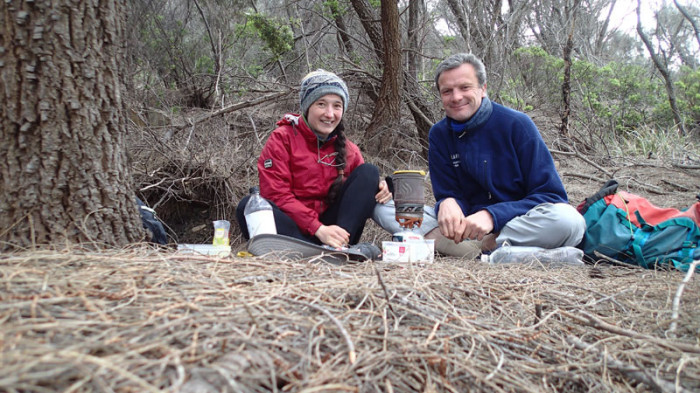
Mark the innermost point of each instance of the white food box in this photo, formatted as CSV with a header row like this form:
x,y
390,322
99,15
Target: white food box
x,y
204,249
409,251
396,252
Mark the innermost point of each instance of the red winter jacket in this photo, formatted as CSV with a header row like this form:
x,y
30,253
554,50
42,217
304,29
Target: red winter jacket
x,y
292,177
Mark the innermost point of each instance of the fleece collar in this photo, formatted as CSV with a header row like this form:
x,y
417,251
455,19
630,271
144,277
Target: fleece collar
x,y
477,120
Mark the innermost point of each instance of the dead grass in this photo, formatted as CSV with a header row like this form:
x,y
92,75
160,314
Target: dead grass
x,y
147,320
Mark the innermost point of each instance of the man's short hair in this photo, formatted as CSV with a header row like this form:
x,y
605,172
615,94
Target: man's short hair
x,y
457,60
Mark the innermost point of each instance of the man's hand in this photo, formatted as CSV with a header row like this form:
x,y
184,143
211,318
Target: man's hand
x,y
477,225
333,235
383,196
450,220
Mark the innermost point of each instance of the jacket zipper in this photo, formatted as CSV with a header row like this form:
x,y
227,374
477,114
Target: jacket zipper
x,y
486,179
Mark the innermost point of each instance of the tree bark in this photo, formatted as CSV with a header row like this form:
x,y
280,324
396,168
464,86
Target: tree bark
x,y
462,21
602,33
412,90
388,106
663,70
690,19
566,84
368,20
415,10
64,176
344,37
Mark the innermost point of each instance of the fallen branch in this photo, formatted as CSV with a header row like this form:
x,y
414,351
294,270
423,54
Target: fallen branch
x,y
386,293
351,347
657,384
598,179
649,187
615,261
677,300
237,106
685,166
585,159
675,185
593,321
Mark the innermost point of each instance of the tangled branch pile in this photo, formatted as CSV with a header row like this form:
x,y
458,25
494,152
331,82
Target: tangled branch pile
x,y
146,320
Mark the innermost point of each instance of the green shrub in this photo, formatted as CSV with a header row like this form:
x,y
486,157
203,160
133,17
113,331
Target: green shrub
x,y
616,97
688,90
276,34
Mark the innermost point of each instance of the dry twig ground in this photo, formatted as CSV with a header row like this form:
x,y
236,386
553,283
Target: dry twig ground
x,y
148,320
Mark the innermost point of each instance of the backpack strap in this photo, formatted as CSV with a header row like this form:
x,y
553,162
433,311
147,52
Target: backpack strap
x,y
609,188
638,240
685,253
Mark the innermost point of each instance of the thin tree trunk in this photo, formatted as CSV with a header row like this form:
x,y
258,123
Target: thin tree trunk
x,y
462,22
603,31
342,29
412,89
663,70
566,84
420,111
690,19
368,20
216,53
64,171
414,11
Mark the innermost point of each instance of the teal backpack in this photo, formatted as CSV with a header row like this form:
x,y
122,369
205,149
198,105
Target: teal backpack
x,y
628,228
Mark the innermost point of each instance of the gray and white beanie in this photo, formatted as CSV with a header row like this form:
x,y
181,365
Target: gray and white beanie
x,y
317,84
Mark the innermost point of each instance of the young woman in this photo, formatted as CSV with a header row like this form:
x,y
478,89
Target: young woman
x,y
320,188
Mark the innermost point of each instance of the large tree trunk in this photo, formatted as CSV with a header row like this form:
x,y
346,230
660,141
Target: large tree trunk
x,y
388,107
64,175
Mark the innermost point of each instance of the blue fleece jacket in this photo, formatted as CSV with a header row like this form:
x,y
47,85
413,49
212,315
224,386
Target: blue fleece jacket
x,y
501,165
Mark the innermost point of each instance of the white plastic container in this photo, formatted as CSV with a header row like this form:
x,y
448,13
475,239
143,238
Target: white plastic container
x,y
221,230
258,214
405,236
204,249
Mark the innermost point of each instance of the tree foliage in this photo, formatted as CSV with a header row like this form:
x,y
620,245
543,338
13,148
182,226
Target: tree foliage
x,y
268,46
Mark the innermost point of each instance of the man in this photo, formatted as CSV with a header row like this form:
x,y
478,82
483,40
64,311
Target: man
x,y
493,177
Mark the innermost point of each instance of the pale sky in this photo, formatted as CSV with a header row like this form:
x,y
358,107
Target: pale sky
x,y
624,16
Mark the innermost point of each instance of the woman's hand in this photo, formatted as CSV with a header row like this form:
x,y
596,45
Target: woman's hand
x,y
383,196
333,236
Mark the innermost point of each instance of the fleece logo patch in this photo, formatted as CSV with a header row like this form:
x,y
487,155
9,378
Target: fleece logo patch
x,y
455,160
268,163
